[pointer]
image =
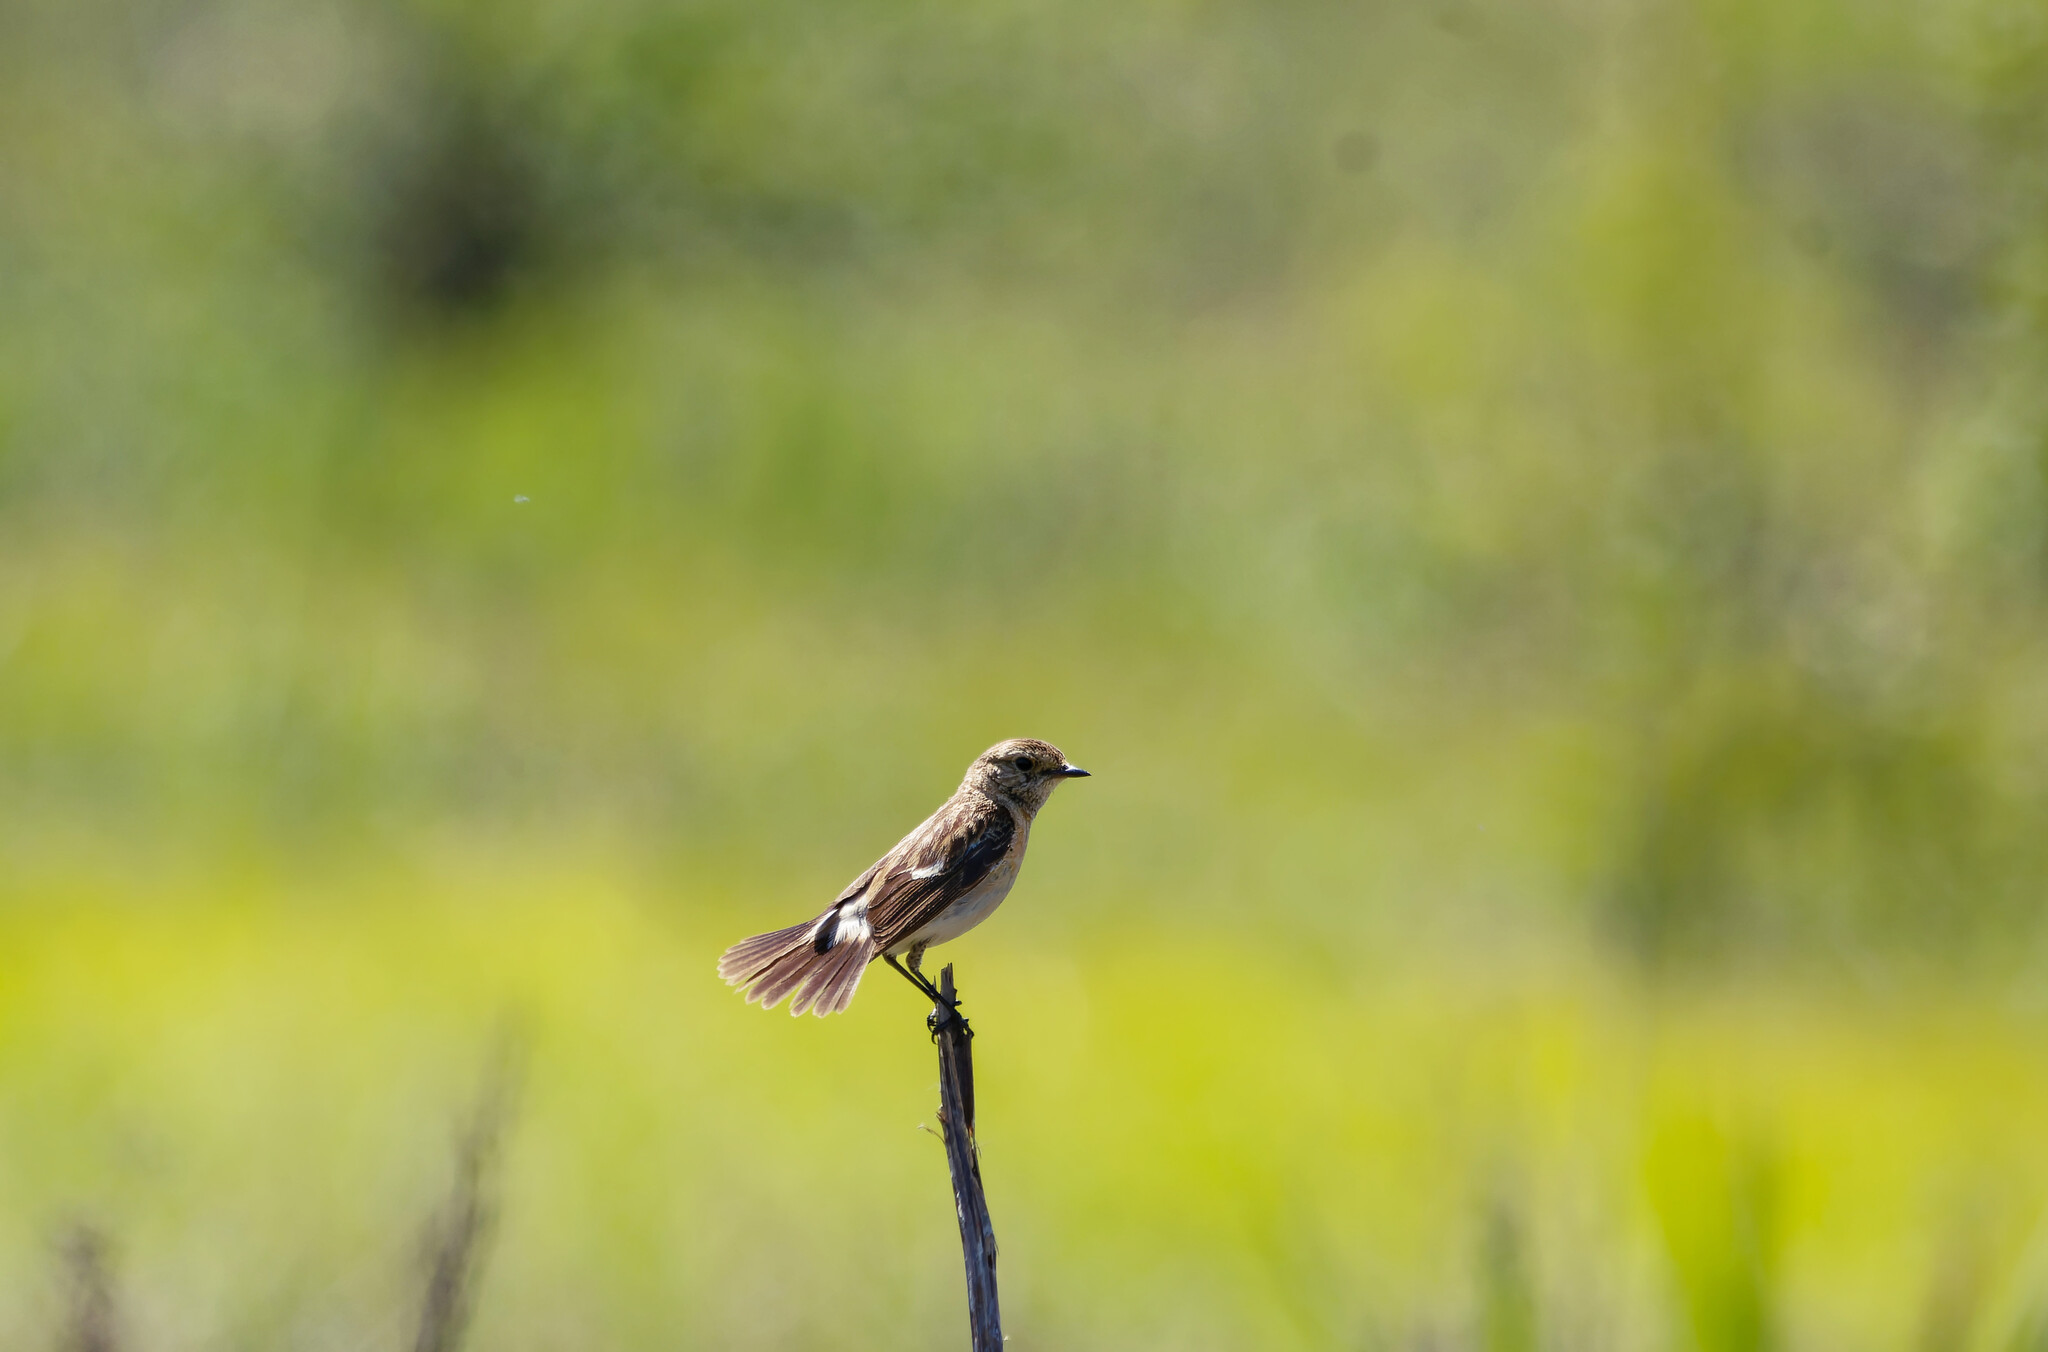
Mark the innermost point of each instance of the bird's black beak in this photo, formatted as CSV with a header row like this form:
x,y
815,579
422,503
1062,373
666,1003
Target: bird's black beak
x,y
1072,772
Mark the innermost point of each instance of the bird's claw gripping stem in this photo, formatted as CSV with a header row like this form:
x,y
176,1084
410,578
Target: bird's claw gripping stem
x,y
944,1011
944,1014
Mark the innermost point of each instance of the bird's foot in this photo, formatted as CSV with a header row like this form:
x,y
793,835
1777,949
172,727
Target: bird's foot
x,y
943,1016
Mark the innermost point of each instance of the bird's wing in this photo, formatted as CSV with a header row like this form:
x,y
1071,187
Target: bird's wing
x,y
936,865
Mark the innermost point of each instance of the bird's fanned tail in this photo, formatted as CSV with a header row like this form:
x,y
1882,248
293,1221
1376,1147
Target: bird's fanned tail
x,y
746,959
770,966
829,986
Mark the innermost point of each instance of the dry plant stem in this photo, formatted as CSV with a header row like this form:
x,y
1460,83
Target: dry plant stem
x,y
956,1119
456,1238
89,1326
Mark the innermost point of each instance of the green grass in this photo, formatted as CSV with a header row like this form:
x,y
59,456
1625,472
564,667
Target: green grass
x,y
1185,1145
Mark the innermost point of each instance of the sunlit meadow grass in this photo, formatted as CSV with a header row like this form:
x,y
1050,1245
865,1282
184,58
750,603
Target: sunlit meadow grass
x,y
1187,1145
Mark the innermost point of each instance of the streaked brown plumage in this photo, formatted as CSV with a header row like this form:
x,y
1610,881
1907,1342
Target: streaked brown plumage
x,y
940,881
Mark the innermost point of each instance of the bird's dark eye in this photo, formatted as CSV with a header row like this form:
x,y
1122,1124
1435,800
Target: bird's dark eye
x,y
1024,764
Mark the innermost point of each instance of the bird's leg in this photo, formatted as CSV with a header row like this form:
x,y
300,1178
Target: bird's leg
x,y
931,992
914,959
915,978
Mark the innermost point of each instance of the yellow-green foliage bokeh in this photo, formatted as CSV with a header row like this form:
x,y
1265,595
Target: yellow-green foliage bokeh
x,y
1535,514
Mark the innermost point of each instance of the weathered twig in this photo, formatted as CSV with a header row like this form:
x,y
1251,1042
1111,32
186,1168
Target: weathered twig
x,y
963,1160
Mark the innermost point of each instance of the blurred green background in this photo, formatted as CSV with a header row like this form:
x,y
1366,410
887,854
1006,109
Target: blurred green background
x,y
1534,511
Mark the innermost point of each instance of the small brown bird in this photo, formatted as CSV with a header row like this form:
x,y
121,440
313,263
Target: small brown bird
x,y
940,881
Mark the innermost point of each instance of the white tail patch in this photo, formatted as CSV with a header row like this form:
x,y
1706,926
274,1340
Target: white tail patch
x,y
853,923
841,925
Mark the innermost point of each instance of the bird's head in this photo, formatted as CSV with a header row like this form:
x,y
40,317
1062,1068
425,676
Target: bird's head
x,y
1023,770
